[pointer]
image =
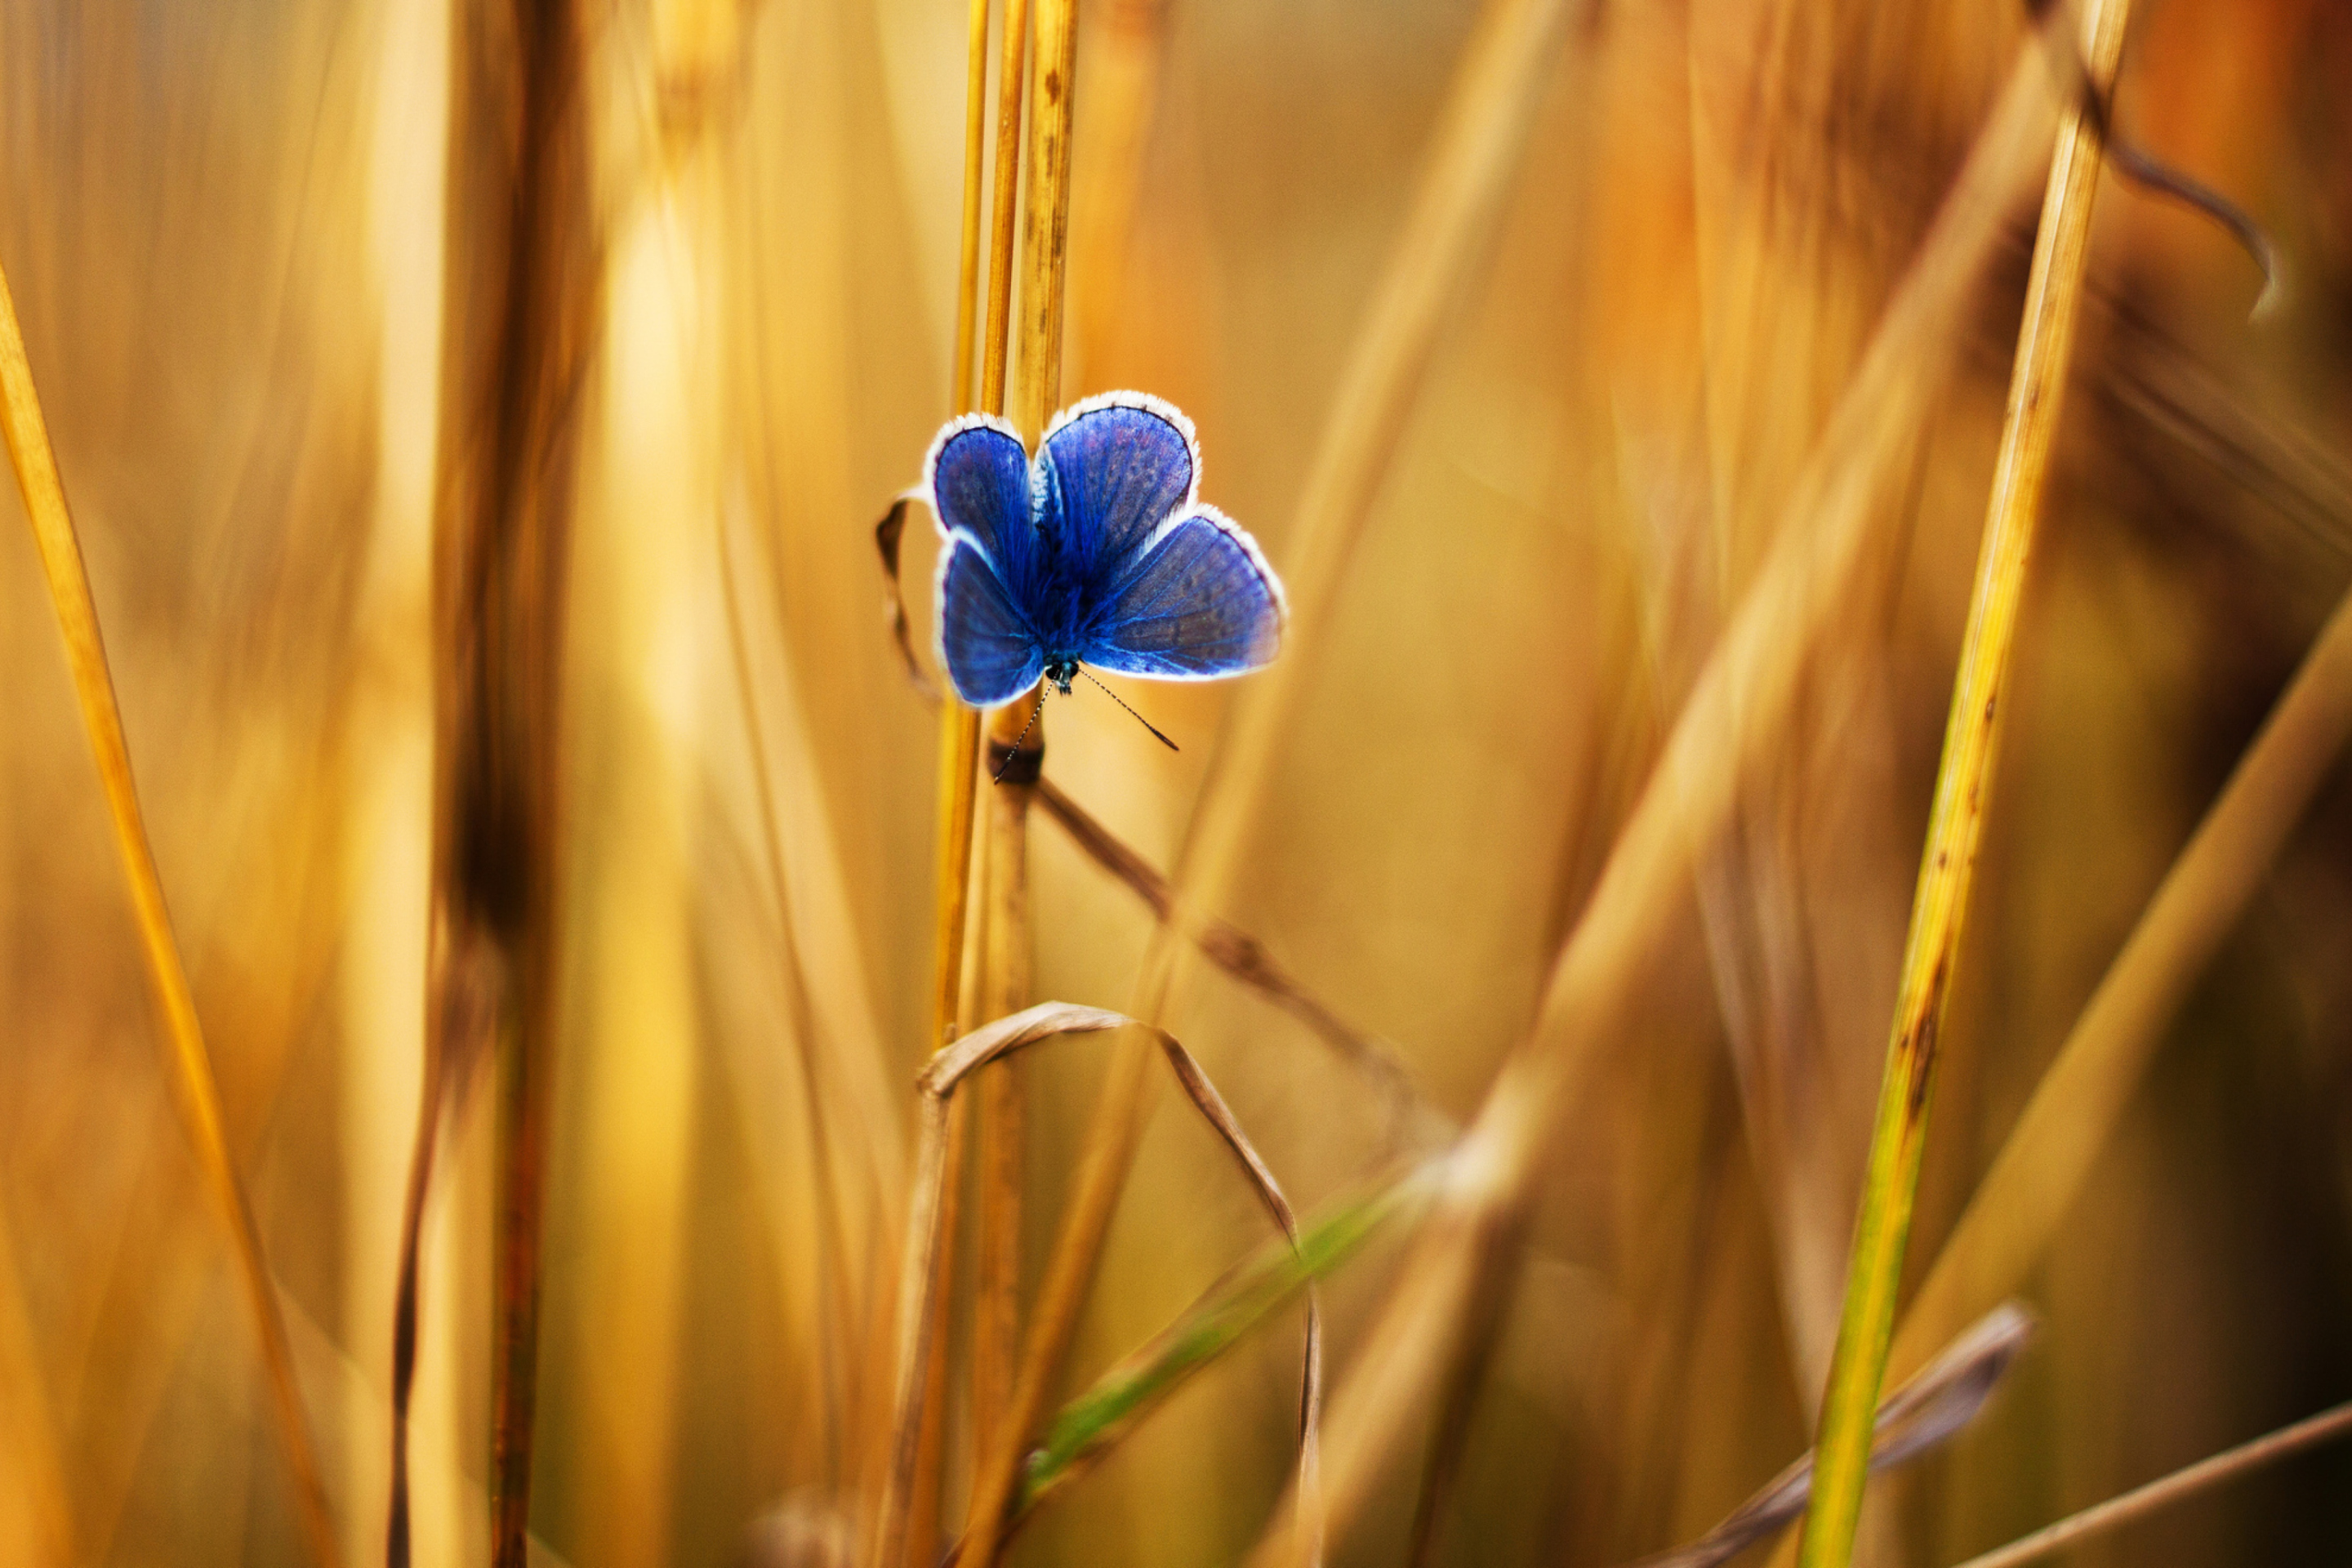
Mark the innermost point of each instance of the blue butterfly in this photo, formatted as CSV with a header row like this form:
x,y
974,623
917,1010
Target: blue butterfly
x,y
1097,553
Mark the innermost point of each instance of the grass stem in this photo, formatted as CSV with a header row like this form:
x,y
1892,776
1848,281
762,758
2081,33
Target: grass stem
x,y
1045,244
197,1093
1739,707
1956,823
2178,1487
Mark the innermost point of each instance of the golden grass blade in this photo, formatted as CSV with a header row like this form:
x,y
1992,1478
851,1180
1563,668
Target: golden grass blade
x,y
1211,1106
1738,708
1451,217
1926,1410
1017,738
196,1093
1008,1405
1015,751
1964,779
833,1246
2081,1098
908,1503
2178,1487
922,1273
963,394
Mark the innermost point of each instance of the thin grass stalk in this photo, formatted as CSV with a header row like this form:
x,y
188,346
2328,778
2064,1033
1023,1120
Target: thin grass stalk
x,y
1735,715
1411,1119
2056,1142
523,283
908,1509
1014,756
1045,244
1964,780
1000,1111
1453,217
196,1094
2179,1487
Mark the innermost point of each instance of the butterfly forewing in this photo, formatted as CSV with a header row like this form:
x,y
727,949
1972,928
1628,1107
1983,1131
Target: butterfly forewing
x,y
978,474
1115,469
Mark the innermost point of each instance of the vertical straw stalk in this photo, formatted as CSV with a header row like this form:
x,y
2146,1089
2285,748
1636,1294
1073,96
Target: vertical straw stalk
x,y
1002,920
1956,823
523,281
1453,214
908,1509
1045,239
2042,1167
197,1094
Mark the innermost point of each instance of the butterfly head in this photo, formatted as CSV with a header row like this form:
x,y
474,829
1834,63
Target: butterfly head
x,y
1060,672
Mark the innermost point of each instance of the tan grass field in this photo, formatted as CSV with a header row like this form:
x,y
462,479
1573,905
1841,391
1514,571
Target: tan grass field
x,y
515,828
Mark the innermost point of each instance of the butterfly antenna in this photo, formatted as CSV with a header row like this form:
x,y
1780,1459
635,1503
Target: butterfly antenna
x,y
1014,750
1133,714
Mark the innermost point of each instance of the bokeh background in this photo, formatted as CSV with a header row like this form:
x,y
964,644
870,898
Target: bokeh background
x,y
227,230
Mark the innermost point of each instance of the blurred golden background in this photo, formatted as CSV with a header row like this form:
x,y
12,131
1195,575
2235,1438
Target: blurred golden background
x,y
245,252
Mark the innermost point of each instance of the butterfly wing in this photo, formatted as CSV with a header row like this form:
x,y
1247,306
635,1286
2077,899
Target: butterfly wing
x,y
1111,470
988,650
977,475
1198,601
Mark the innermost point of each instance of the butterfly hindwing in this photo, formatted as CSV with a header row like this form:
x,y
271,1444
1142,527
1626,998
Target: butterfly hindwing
x,y
1112,469
986,647
1197,602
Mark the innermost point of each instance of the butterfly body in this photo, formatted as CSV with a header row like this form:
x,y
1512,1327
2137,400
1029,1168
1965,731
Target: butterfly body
x,y
1095,552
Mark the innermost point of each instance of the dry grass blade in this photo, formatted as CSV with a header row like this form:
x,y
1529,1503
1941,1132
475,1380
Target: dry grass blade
x,y
1737,708
524,278
2079,1101
1449,224
927,1238
1211,1106
928,1235
1924,1413
1009,1403
2178,1487
833,1246
1963,781
912,1514
196,1092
